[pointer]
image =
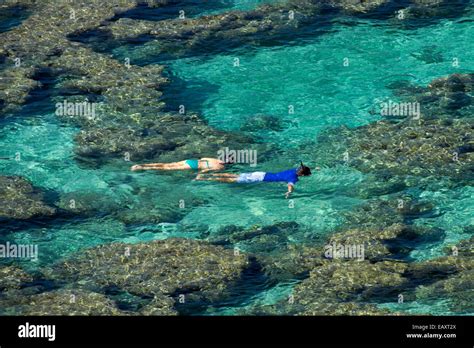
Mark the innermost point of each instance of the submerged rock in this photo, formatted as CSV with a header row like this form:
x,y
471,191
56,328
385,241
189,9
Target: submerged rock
x,y
43,35
450,278
422,149
159,305
293,262
162,138
351,281
273,247
384,242
179,36
427,9
354,287
375,186
439,268
452,92
464,248
317,308
63,302
382,213
15,86
268,23
345,308
429,55
87,203
129,118
458,290
438,143
133,203
443,97
351,287
256,238
150,206
452,84
13,277
260,123
359,6
341,288
384,228
173,267
20,200
125,89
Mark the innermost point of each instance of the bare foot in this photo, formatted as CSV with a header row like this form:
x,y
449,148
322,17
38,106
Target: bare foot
x,y
136,167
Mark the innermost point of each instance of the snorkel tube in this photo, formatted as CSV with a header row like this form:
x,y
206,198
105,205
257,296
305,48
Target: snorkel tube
x,y
304,169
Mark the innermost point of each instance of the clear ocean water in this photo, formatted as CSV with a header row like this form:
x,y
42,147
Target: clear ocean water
x,y
307,73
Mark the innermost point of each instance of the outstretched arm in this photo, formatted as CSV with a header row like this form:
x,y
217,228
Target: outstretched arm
x,y
290,190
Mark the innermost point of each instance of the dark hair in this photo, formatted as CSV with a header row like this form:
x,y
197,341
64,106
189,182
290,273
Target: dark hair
x,y
304,170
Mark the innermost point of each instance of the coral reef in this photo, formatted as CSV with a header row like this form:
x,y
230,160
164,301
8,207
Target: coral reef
x,y
443,97
381,243
421,149
13,277
317,308
256,238
449,277
340,288
15,85
267,23
336,287
351,281
159,305
171,267
457,289
412,151
20,200
133,122
129,121
61,302
293,262
428,9
43,35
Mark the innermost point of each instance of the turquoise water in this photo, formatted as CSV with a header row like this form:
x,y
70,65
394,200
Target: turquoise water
x,y
310,75
307,74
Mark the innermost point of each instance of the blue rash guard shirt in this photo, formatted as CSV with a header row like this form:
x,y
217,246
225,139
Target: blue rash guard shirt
x,y
288,176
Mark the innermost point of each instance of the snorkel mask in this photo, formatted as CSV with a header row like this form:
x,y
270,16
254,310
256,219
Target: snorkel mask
x,y
302,169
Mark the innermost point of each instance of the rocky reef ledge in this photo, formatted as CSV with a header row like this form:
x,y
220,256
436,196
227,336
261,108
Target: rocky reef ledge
x,y
129,121
178,276
439,143
20,200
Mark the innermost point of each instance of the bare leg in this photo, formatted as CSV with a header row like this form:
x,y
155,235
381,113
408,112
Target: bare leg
x,y
218,177
223,174
151,166
203,175
162,166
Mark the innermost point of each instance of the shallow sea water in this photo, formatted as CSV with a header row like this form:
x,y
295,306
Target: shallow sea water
x,y
307,73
